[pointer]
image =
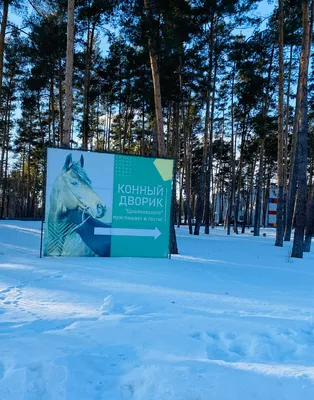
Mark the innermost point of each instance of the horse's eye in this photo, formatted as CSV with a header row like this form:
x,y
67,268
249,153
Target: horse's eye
x,y
74,183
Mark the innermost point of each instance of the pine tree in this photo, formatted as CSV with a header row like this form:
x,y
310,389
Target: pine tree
x,y
69,75
302,151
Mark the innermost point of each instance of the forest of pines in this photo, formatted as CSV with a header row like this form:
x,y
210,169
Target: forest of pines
x,y
224,89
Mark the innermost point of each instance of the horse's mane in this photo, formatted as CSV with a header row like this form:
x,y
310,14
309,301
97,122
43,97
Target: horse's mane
x,y
80,173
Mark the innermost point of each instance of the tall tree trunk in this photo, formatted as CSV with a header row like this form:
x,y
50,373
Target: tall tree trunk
x,y
4,138
200,198
52,110
23,191
266,196
109,127
98,146
302,151
28,187
292,187
168,134
129,130
173,240
210,172
287,140
246,220
232,183
156,80
187,128
257,219
143,130
5,177
61,122
309,229
6,155
125,128
33,199
280,172
179,216
310,180
221,171
246,208
88,66
2,36
237,202
69,75
42,132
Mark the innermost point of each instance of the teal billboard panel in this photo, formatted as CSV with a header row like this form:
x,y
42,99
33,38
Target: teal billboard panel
x,y
107,205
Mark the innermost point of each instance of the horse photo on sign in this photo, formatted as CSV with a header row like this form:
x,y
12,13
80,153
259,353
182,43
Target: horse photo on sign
x,y
75,208
106,205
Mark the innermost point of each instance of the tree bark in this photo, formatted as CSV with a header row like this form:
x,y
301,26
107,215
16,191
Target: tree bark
x,y
292,187
201,192
2,36
287,140
181,180
187,127
246,220
42,132
232,183
237,202
4,138
168,134
28,187
23,211
280,172
52,110
266,196
5,154
89,53
210,157
61,122
257,219
156,81
109,127
302,151
246,210
309,229
69,75
173,240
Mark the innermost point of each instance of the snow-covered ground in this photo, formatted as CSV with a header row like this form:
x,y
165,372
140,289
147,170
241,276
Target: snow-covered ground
x,y
230,318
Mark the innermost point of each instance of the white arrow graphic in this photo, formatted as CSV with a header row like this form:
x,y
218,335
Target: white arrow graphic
x,y
155,233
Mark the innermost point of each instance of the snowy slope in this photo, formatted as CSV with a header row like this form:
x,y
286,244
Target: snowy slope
x,y
230,318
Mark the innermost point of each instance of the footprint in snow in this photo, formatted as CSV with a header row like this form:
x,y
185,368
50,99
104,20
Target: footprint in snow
x,y
35,388
1,370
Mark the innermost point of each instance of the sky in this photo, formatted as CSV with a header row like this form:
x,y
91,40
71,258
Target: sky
x,y
263,10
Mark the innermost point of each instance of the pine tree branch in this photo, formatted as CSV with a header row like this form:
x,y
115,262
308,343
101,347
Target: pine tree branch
x,y
19,29
39,12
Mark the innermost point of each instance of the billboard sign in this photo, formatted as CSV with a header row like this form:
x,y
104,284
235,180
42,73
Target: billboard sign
x,y
107,205
272,207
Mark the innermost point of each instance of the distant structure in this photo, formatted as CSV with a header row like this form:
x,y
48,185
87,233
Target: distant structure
x,y
272,206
